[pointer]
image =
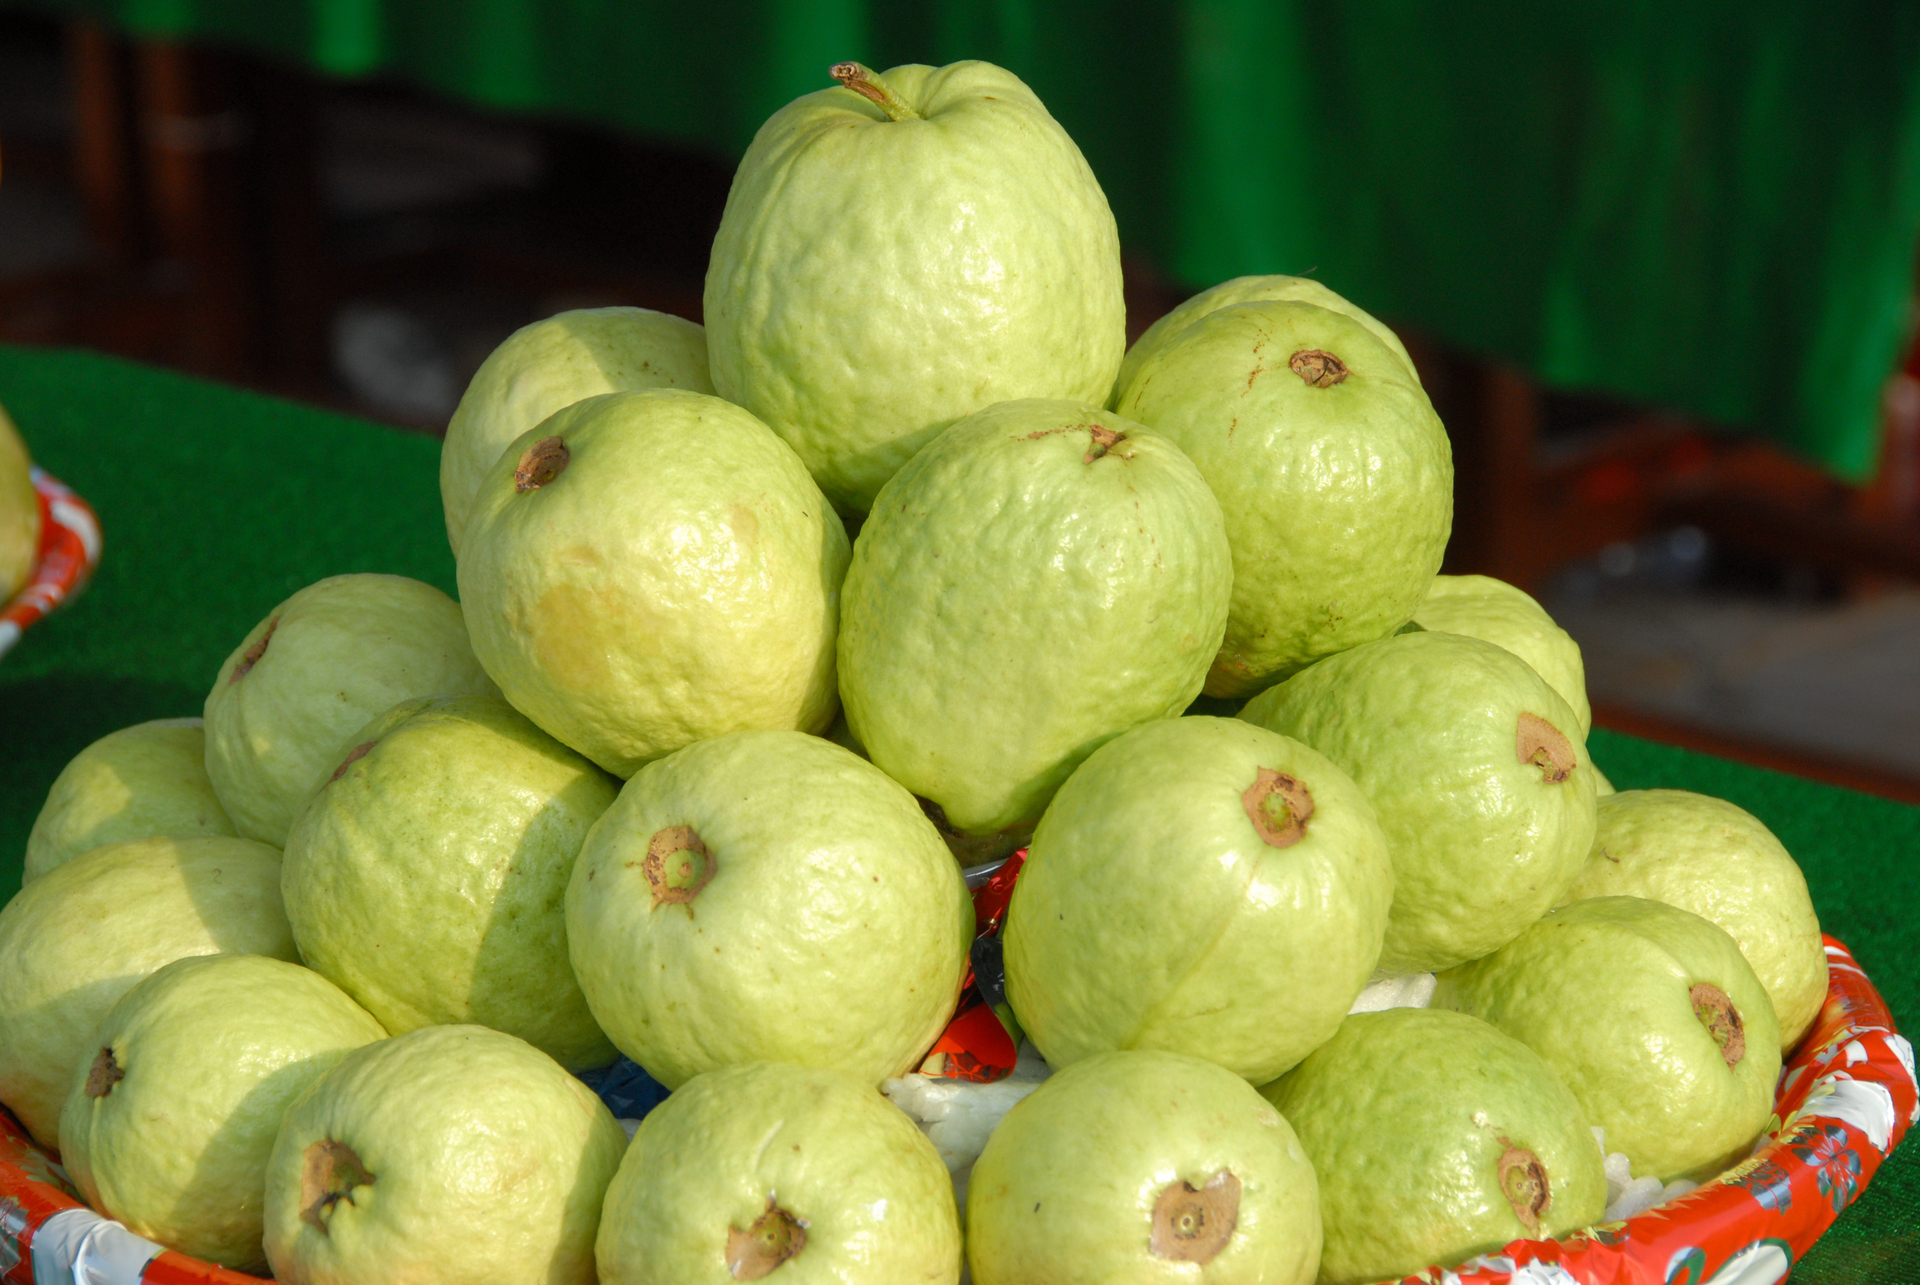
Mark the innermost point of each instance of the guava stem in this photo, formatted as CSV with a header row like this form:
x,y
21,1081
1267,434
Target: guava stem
x,y
866,82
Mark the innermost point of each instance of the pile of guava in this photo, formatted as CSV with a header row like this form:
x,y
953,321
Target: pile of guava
x,y
787,645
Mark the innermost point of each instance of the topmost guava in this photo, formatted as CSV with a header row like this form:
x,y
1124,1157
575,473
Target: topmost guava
x,y
19,511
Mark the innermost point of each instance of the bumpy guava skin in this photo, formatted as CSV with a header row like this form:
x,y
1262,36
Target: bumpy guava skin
x,y
19,511
904,250
1041,578
1138,1167
1436,1138
1650,1015
1237,880
765,1168
1496,612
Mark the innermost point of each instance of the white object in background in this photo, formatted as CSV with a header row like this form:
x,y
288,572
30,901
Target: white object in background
x,y
1399,990
79,1247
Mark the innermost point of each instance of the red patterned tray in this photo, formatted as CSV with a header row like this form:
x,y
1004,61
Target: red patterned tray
x,y
69,551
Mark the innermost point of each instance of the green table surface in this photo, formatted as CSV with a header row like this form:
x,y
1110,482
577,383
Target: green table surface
x,y
1714,207
217,503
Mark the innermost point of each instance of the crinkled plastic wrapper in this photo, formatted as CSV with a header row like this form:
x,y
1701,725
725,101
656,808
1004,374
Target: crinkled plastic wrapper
x,y
69,551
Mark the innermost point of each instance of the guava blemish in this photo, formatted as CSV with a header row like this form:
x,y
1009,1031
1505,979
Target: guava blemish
x,y
775,1236
252,655
1319,369
1279,807
1540,743
545,460
862,81
103,1074
1523,1181
329,1173
1104,440
354,755
1192,1225
1722,1020
677,867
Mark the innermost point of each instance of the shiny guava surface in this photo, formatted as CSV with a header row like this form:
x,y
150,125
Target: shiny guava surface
x,y
1143,1166
768,896
1254,289
427,879
1650,1015
311,674
769,1167
141,781
1334,473
1436,1138
1237,881
451,1155
19,511
1706,855
550,365
647,569
1478,772
79,937
1496,612
885,268
1043,577
167,1127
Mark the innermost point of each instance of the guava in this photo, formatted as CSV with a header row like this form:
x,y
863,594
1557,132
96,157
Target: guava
x,y
167,1128
1706,855
648,569
1650,1015
1477,770
1041,578
451,1155
1236,880
311,674
428,877
753,1169
1496,612
1332,469
550,365
901,251
138,782
1143,1167
19,511
1436,1138
768,896
1254,289
76,939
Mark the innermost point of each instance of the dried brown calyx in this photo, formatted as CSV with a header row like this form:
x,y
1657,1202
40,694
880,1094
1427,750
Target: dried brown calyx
x,y
1192,1225
678,866
329,1173
1722,1020
774,1237
865,82
1319,369
1104,440
103,1074
252,655
1523,1181
354,755
545,460
1279,806
1540,743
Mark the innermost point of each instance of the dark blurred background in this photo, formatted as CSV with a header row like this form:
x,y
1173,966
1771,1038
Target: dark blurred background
x,y
1657,264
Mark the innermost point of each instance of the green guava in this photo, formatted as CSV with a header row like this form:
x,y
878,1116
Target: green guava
x,y
428,877
19,511
1496,612
76,939
138,782
1650,1015
167,1128
1436,1138
1255,289
1478,772
550,365
751,1169
768,896
1041,578
311,674
649,569
451,1155
1717,860
1332,469
1143,1167
1236,879
904,250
